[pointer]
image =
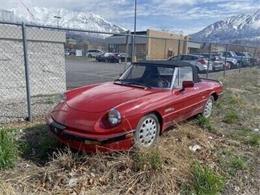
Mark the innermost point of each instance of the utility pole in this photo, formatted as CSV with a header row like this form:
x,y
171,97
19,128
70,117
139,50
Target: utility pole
x,y
133,36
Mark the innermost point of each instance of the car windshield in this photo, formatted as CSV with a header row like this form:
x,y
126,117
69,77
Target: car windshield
x,y
147,75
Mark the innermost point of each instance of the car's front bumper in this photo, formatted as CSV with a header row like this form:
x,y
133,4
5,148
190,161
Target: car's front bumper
x,y
91,142
218,67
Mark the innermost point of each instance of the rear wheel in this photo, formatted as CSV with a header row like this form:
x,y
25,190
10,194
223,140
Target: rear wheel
x,y
147,131
228,66
208,107
232,65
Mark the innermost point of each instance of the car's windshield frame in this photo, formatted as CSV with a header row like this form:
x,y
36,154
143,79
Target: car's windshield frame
x,y
122,79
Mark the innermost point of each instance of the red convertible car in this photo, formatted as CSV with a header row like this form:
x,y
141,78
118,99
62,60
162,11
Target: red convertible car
x,y
135,109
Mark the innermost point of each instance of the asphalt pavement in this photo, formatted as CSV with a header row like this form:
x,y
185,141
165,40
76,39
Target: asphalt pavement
x,y
82,71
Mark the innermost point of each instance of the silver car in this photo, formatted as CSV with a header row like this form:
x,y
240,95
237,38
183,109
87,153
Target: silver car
x,y
199,61
92,53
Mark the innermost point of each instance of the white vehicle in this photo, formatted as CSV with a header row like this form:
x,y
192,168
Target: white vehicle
x,y
197,60
231,58
92,53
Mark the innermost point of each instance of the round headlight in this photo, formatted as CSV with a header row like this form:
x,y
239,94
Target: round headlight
x,y
114,117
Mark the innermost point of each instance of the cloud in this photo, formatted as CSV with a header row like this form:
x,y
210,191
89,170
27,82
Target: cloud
x,y
182,12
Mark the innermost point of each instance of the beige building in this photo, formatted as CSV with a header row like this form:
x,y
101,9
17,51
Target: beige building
x,y
150,44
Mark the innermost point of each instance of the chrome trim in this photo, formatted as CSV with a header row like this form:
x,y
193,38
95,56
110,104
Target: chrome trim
x,y
176,69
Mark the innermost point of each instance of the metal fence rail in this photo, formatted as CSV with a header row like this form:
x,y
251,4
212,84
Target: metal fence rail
x,y
38,63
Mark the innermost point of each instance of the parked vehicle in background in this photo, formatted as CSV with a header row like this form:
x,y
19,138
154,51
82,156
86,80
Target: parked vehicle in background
x,y
230,58
67,53
92,53
243,60
134,110
113,57
108,57
216,61
199,61
240,57
252,60
122,57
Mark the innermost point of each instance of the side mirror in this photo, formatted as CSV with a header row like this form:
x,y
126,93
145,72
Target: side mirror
x,y
187,84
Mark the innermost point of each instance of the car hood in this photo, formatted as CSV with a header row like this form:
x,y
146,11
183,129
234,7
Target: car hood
x,y
105,96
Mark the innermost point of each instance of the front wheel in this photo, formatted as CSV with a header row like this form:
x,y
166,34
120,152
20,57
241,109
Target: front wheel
x,y
208,107
147,131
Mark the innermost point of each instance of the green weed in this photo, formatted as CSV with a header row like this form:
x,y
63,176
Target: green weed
x,y
8,149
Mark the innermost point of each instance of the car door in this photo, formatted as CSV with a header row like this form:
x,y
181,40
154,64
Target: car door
x,y
187,102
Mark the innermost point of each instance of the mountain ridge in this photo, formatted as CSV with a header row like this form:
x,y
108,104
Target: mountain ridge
x,y
232,29
68,19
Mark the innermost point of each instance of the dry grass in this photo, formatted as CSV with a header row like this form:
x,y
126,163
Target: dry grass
x,y
165,169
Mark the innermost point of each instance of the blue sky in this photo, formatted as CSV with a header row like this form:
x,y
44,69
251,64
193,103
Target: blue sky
x,y
185,16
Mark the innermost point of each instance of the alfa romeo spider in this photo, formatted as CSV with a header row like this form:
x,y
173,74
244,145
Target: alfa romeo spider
x,y
133,110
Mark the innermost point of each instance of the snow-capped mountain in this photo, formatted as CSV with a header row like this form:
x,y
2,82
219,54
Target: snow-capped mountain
x,y
236,28
68,19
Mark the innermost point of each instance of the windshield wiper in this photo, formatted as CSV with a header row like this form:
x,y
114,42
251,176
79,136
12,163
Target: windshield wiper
x,y
132,83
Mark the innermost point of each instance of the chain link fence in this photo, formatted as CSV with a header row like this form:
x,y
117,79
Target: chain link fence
x,y
39,63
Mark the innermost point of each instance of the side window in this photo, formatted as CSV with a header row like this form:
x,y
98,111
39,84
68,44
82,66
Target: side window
x,y
136,72
165,71
226,54
186,58
182,74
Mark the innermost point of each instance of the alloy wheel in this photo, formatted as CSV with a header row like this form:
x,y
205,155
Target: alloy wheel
x,y
208,107
147,131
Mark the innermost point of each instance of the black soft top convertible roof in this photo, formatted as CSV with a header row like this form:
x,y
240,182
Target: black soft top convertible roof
x,y
172,63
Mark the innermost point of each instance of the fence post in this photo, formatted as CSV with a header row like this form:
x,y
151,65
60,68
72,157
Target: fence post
x,y
224,72
126,48
254,59
27,75
179,46
209,61
133,47
165,52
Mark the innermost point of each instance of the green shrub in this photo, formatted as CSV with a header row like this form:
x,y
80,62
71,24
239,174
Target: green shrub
x,y
8,149
37,144
237,163
254,140
206,181
231,163
147,160
204,123
230,117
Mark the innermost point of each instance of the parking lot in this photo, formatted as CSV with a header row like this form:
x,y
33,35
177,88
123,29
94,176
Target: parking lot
x,y
82,71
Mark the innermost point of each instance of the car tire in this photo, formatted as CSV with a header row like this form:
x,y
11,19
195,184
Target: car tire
x,y
198,70
228,66
208,107
232,65
147,132
89,55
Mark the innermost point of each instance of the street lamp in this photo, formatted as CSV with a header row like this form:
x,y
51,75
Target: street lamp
x,y
133,36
